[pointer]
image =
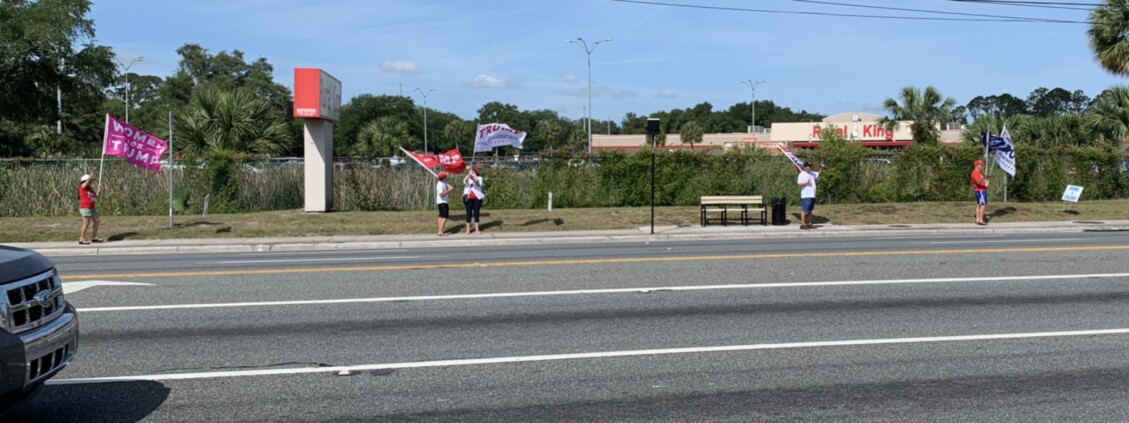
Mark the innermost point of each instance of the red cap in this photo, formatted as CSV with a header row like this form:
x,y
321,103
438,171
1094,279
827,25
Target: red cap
x,y
442,175
978,163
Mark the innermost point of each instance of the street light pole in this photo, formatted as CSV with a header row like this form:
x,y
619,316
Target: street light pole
x,y
127,84
753,120
424,94
584,45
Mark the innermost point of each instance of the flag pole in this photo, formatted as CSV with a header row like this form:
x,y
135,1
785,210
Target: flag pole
x,y
170,170
102,167
1005,174
474,147
988,142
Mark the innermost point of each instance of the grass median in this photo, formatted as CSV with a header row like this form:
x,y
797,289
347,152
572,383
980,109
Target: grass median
x,y
296,223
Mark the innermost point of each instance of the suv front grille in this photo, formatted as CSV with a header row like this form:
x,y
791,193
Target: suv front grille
x,y
50,362
34,301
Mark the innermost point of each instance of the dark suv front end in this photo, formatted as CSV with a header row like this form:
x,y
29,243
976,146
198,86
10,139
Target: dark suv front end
x,y
38,329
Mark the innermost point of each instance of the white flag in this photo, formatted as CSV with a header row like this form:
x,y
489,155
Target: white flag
x,y
795,160
1005,155
493,135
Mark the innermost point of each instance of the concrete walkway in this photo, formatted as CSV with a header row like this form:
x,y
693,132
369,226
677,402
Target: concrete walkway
x,y
642,234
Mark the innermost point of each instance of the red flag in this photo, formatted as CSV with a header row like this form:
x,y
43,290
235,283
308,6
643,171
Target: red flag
x,y
428,161
452,162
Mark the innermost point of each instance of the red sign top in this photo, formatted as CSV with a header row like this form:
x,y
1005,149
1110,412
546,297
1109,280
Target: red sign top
x,y
317,95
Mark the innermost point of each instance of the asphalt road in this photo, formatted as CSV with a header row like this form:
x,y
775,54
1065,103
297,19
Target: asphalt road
x,y
1022,328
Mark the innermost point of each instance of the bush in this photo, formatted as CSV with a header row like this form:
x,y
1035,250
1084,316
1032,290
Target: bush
x,y
616,179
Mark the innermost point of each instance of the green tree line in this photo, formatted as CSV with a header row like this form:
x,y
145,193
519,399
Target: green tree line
x,y
230,108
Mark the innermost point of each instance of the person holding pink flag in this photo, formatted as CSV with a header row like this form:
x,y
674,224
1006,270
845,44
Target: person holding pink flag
x,y
86,207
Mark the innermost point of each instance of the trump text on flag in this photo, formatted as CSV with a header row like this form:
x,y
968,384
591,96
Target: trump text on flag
x,y
138,147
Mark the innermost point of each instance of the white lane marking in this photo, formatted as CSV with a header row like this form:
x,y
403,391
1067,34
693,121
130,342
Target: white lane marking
x,y
584,356
310,260
291,253
1007,240
73,287
605,291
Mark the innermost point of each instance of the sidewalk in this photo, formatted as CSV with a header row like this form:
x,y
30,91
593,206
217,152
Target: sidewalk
x,y
642,234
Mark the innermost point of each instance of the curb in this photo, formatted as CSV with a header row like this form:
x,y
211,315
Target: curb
x,y
259,245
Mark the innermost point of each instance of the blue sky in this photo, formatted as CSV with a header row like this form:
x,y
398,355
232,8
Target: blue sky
x,y
475,51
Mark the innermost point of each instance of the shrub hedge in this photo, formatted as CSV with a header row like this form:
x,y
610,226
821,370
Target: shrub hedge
x,y
616,179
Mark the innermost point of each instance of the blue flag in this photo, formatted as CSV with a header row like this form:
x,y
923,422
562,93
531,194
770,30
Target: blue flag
x,y
993,142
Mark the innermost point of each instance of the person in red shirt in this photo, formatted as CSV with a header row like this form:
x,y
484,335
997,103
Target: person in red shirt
x,y
86,207
980,190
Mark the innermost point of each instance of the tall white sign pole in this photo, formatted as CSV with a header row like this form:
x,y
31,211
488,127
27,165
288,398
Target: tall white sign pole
x,y
317,101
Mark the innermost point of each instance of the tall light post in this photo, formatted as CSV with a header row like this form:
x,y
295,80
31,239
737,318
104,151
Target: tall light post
x,y
424,95
127,85
589,50
753,120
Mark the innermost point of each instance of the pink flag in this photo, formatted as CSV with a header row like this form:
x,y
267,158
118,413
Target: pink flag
x,y
138,147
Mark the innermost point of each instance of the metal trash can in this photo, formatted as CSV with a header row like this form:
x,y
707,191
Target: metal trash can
x,y
779,216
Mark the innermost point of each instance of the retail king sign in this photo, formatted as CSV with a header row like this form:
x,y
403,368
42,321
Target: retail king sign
x,y
852,130
317,95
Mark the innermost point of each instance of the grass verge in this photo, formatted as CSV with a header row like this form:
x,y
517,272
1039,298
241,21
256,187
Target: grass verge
x,y
296,223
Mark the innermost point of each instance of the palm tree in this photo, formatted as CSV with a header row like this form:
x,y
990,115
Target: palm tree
x,y
1109,114
692,132
458,133
226,128
235,125
549,131
1109,36
1070,129
926,108
382,137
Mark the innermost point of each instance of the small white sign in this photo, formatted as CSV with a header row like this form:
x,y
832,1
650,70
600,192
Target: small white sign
x,y
1072,193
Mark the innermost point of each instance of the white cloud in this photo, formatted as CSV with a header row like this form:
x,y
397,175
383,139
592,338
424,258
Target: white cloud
x,y
402,67
570,78
667,92
487,81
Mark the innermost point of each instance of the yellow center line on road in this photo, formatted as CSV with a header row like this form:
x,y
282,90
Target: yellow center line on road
x,y
588,261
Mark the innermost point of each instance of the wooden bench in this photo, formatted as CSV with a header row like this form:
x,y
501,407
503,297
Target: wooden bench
x,y
744,203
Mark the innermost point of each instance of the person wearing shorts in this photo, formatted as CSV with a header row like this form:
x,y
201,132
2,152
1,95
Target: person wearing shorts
x,y
979,190
442,189
86,208
806,181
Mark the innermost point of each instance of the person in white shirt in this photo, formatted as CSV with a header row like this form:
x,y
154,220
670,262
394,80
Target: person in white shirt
x,y
806,181
442,189
472,191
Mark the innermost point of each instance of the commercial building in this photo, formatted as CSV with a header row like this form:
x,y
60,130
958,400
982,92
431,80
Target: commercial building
x,y
861,127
